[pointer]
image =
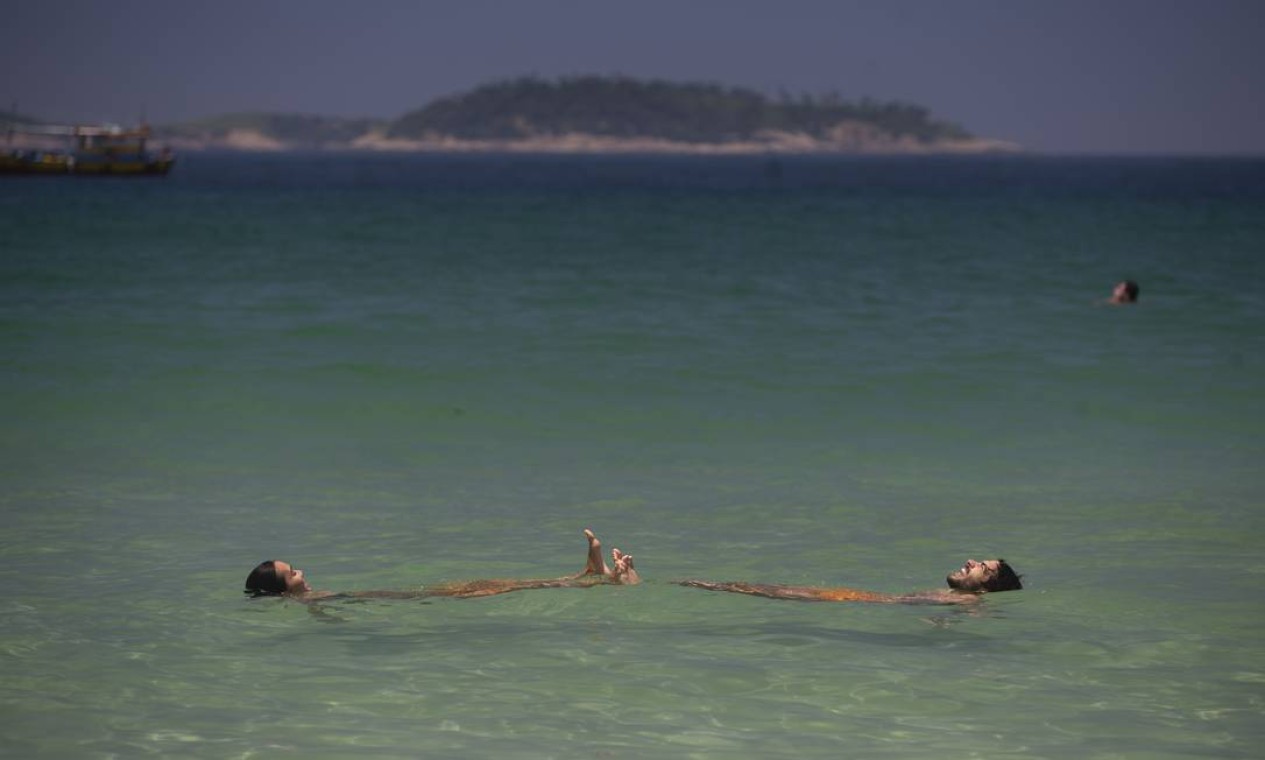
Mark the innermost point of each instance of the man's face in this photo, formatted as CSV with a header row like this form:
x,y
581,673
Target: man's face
x,y
974,575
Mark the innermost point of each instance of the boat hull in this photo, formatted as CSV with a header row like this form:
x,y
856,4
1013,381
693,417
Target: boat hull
x,y
66,163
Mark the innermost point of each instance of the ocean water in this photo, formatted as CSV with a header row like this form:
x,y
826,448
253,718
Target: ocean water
x,y
397,371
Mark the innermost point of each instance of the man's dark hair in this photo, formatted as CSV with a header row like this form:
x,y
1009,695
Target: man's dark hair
x,y
264,581
1131,288
1004,580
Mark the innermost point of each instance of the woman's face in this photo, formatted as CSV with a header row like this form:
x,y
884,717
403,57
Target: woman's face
x,y
293,577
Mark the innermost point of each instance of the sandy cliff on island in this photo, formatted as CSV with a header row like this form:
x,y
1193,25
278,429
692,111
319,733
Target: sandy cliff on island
x,y
845,139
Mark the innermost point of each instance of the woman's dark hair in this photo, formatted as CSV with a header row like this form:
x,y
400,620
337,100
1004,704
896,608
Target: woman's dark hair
x,y
1131,288
264,581
1004,580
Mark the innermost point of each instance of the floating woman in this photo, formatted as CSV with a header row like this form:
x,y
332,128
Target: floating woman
x,y
278,578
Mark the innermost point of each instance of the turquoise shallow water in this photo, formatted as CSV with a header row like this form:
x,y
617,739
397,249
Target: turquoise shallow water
x,y
850,372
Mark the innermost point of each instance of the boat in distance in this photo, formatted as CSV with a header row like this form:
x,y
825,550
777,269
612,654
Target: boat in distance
x,y
92,149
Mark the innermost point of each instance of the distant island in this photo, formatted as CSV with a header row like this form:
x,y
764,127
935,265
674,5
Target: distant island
x,y
592,114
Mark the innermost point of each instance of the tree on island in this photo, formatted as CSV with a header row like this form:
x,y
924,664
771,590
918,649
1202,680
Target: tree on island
x,y
621,107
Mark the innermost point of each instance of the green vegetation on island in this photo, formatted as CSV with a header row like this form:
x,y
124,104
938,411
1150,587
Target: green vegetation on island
x,y
628,108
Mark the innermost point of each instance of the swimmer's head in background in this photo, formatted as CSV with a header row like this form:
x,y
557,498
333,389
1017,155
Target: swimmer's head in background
x,y
1126,291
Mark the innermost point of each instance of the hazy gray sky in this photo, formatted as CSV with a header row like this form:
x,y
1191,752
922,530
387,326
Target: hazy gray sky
x,y
1122,76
